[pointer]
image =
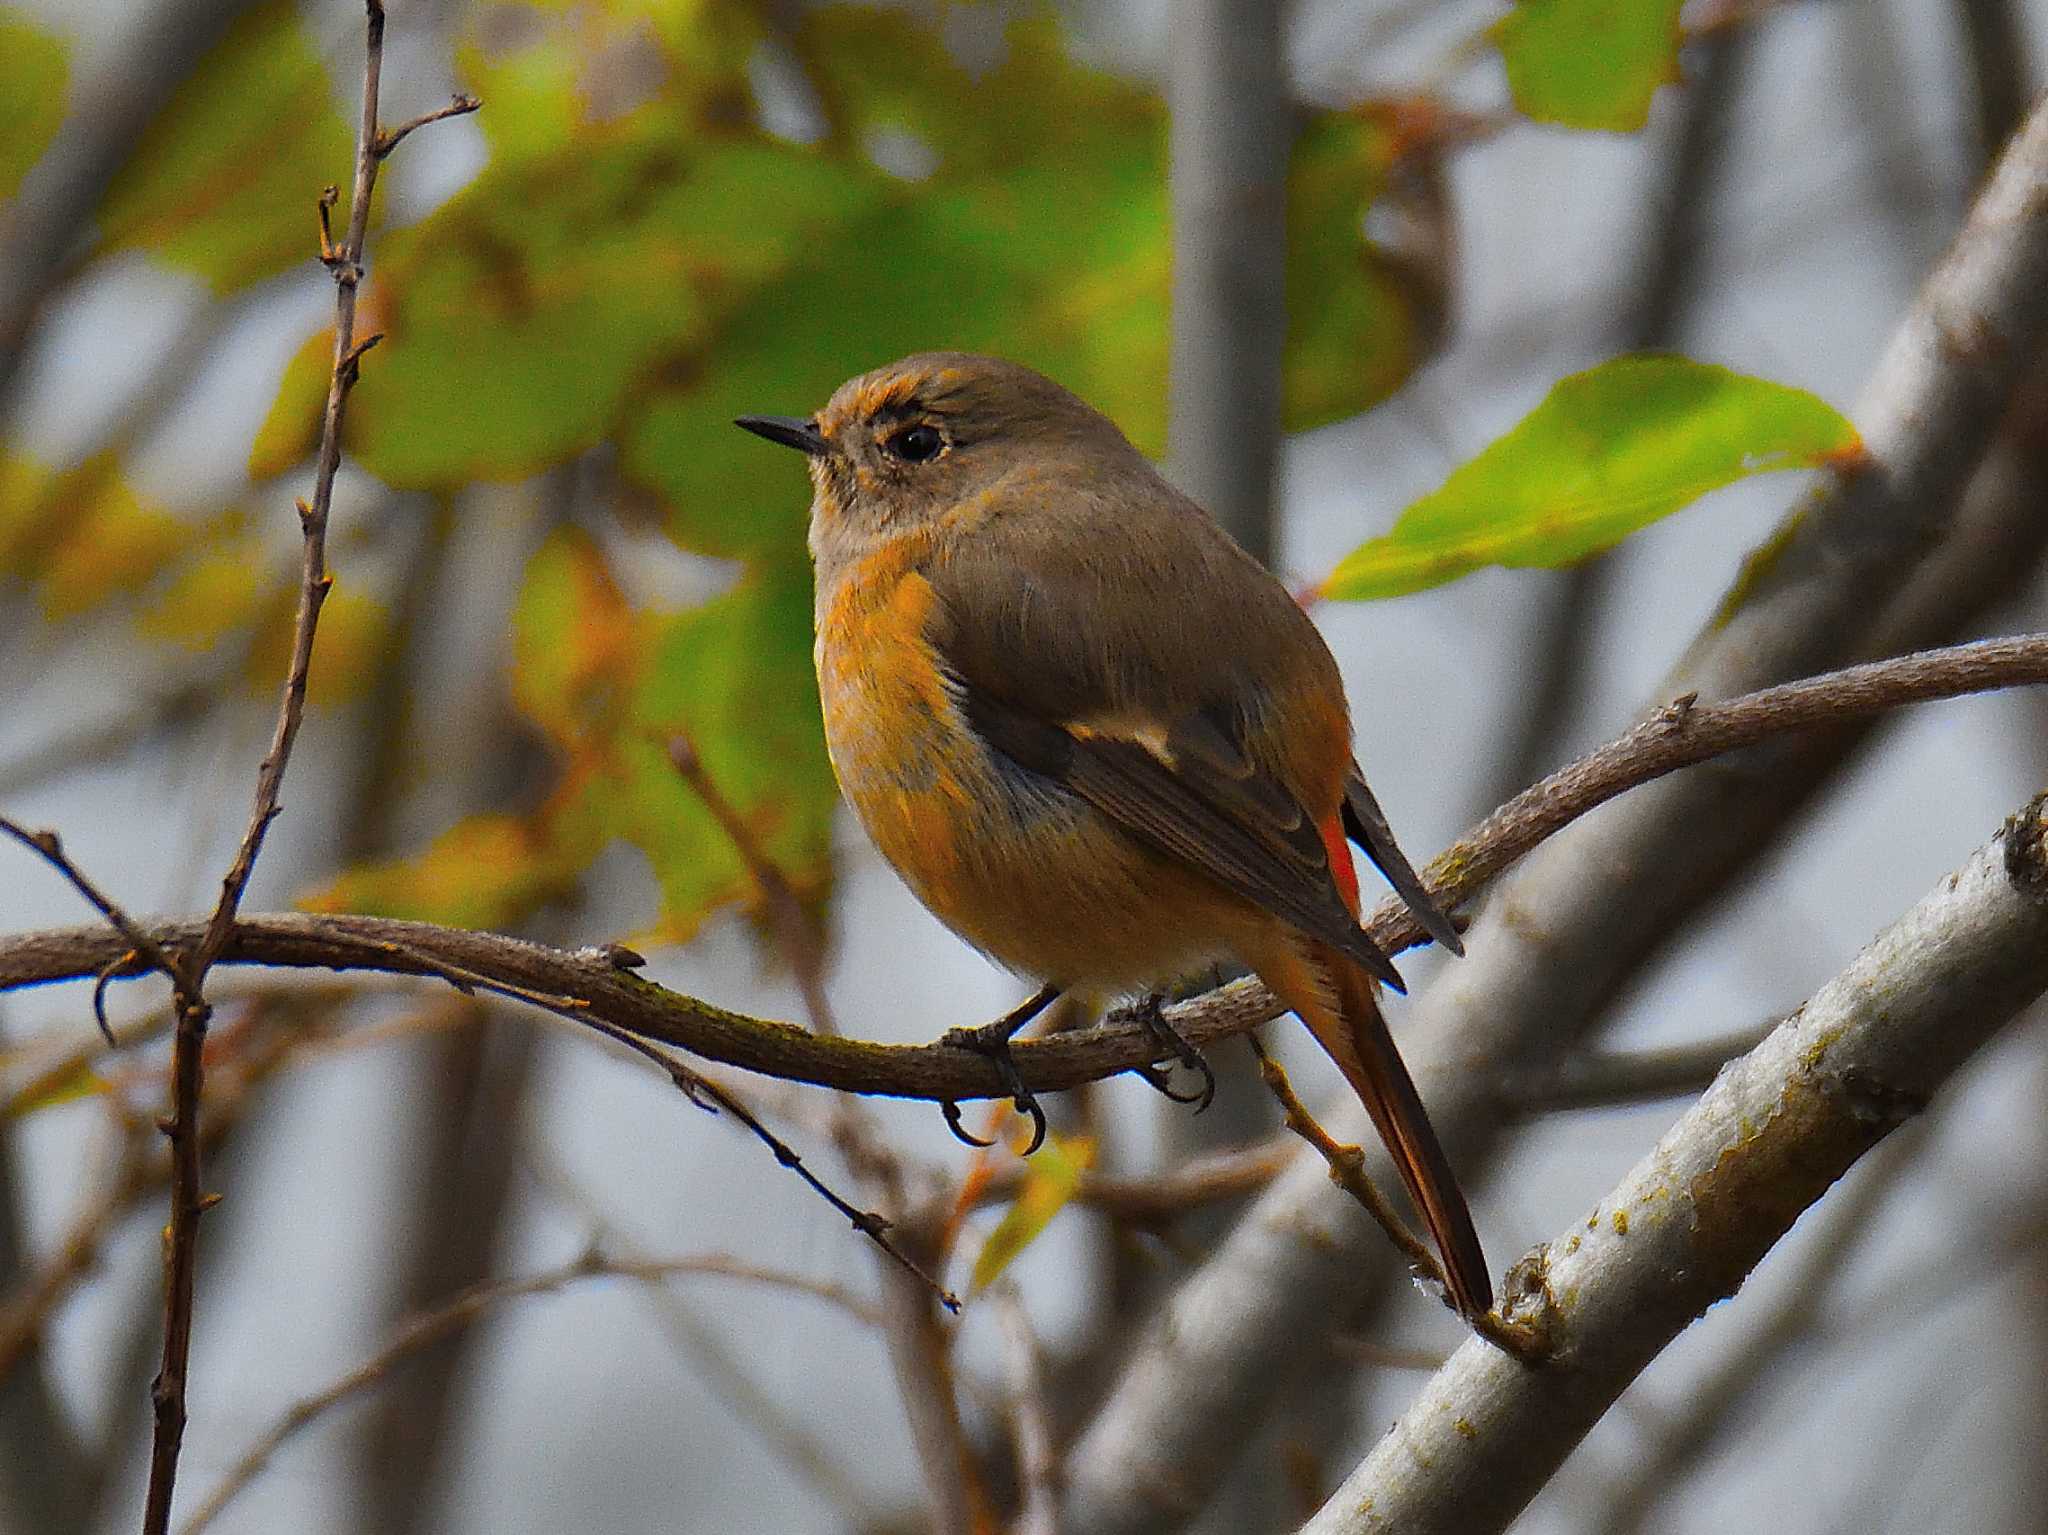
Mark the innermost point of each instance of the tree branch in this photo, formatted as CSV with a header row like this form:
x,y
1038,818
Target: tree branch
x,y
1229,131
1686,1226
590,986
1883,556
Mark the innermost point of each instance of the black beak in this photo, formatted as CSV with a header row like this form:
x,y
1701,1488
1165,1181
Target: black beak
x,y
787,430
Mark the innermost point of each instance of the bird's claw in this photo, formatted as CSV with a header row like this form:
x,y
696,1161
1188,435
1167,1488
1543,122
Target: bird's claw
x,y
1160,1080
1150,1015
960,1131
992,1043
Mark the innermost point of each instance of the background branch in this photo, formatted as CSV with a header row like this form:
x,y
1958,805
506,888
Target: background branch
x,y
1860,567
1691,1220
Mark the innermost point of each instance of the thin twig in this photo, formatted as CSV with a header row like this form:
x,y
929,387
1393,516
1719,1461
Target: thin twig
x,y
796,935
805,954
919,1345
50,847
1347,1167
135,1176
472,1305
459,105
709,1095
187,1201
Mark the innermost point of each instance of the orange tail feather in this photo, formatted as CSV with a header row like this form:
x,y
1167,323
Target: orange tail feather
x,y
1344,1016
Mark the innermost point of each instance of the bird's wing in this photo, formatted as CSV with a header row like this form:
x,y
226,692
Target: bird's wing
x,y
1367,826
1110,637
1188,791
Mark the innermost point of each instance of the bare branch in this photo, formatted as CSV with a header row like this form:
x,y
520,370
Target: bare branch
x,y
1038,1464
1229,128
920,1348
591,987
1606,1078
459,106
1884,555
1686,1226
50,847
345,263
1347,1168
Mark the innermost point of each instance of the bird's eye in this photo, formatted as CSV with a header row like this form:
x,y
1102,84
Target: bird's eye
x,y
916,444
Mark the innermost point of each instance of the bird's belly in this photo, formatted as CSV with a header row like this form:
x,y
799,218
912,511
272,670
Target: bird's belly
x,y
1022,869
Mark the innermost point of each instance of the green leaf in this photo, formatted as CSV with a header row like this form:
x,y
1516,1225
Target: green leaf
x,y
1042,234
611,688
518,319
735,675
489,871
224,181
1050,1178
291,428
1608,451
1351,332
1590,63
34,75
557,71
647,277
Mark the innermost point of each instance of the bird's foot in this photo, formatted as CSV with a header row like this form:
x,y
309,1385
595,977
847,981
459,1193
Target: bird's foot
x,y
991,1041
1150,1014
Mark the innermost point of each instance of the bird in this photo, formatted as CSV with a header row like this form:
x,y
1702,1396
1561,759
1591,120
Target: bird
x,y
1097,739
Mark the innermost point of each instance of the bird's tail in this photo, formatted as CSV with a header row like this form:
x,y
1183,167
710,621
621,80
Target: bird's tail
x,y
1343,1014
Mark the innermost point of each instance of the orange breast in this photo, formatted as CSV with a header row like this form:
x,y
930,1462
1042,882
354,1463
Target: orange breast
x,y
902,754
1018,867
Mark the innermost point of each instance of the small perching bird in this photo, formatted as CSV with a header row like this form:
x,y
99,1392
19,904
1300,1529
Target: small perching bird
x,y
1099,740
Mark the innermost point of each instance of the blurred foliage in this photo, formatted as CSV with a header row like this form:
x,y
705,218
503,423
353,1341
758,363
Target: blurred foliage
x,y
34,75
1051,1176
1590,63
84,539
80,538
75,1082
689,210
223,183
1607,452
640,261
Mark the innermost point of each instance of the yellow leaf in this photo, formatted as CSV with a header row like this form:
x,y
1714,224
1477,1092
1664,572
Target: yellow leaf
x,y
34,72
348,647
576,642
46,1092
219,592
292,427
1050,1178
487,871
83,536
112,544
